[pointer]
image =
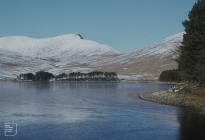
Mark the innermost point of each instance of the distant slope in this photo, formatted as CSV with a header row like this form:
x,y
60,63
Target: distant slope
x,y
66,53
149,61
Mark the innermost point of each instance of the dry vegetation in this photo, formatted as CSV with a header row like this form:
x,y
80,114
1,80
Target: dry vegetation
x,y
193,97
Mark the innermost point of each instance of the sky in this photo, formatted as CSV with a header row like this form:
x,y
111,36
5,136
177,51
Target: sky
x,y
125,25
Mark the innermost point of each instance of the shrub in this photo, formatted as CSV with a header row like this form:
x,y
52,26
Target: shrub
x,y
170,76
26,76
43,76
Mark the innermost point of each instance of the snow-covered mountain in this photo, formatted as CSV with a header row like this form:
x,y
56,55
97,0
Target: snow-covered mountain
x,y
56,54
60,47
149,61
66,53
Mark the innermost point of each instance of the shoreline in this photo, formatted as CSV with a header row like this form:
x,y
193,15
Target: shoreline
x,y
119,80
193,99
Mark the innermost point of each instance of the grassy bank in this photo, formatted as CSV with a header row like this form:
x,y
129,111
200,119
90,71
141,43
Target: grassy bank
x,y
193,97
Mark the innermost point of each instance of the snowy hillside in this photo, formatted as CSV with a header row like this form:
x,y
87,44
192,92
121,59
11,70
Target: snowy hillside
x,y
19,54
149,61
58,47
66,53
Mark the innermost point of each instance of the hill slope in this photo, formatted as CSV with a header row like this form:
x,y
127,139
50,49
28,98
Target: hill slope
x,y
66,53
149,61
56,54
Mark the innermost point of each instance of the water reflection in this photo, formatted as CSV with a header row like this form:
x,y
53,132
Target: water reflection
x,y
43,85
70,110
91,85
63,85
192,125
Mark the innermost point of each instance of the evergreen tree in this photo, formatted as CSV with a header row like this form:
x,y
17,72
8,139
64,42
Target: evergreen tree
x,y
170,76
43,76
191,60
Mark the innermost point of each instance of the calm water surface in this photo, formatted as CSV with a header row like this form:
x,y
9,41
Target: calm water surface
x,y
93,111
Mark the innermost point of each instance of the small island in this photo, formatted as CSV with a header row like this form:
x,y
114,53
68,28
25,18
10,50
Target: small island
x,y
74,76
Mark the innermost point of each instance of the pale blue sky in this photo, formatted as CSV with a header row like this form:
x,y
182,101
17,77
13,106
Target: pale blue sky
x,y
123,24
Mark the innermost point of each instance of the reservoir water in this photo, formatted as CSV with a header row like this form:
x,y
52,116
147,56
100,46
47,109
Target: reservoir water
x,y
93,111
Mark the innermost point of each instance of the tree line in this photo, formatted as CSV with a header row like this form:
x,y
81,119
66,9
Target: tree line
x,y
191,60
74,76
38,76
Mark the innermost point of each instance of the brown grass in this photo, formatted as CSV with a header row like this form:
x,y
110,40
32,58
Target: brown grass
x,y
190,97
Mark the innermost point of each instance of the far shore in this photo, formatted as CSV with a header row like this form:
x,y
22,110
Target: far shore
x,y
119,80
137,81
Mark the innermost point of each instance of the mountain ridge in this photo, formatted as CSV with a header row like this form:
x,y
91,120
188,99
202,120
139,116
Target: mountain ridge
x,y
71,52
